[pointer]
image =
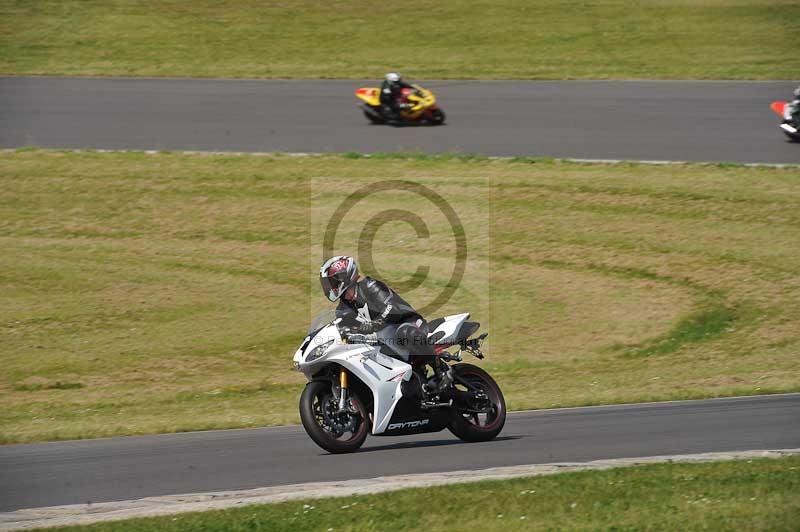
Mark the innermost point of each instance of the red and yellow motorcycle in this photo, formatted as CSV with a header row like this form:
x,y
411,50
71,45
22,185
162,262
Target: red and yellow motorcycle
x,y
421,108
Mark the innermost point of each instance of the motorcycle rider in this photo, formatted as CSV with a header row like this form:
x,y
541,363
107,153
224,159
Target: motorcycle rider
x,y
370,305
795,105
391,93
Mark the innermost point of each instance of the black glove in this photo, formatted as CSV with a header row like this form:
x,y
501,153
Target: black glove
x,y
367,327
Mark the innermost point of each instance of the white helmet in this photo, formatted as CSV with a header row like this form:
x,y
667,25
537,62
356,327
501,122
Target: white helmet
x,y
393,77
796,92
337,275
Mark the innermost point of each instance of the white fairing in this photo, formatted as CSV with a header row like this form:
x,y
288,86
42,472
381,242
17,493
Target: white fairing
x,y
382,374
450,327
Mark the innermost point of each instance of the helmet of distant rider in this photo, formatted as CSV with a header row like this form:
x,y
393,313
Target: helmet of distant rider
x,y
393,77
337,275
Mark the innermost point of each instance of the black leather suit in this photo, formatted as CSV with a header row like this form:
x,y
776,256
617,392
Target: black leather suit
x,y
390,96
376,305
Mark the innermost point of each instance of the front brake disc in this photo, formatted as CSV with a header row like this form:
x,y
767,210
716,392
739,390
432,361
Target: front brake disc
x,y
338,422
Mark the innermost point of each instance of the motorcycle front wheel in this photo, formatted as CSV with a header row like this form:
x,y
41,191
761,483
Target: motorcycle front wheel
x,y
333,431
436,117
481,419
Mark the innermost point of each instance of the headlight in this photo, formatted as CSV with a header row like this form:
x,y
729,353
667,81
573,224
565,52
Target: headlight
x,y
318,351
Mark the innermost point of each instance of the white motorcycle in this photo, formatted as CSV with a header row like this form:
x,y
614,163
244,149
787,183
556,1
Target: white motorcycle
x,y
356,388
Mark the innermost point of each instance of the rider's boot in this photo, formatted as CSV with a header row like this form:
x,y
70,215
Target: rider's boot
x,y
392,116
440,381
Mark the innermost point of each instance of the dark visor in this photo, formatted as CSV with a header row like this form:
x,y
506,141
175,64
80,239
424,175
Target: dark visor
x,y
332,286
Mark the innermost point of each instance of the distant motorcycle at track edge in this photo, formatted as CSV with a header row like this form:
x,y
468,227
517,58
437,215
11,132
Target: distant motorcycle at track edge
x,y
421,108
790,114
355,389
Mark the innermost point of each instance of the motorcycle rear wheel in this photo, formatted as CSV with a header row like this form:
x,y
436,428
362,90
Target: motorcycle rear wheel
x,y
372,118
315,399
470,426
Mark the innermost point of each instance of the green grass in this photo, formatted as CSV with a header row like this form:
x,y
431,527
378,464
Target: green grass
x,y
458,39
737,495
705,324
156,293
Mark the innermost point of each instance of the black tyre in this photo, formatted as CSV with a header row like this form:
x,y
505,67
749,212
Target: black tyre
x,y
483,418
436,117
336,433
373,118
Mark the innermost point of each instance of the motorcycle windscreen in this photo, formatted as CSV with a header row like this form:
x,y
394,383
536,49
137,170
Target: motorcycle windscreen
x,y
324,318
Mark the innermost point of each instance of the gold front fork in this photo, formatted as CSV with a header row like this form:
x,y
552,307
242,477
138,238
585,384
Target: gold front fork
x,y
342,388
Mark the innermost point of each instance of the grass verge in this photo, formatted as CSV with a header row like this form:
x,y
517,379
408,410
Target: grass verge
x,y
511,39
156,293
735,495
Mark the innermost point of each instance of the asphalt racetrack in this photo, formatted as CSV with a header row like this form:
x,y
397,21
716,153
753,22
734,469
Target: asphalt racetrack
x,y
76,472
637,120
